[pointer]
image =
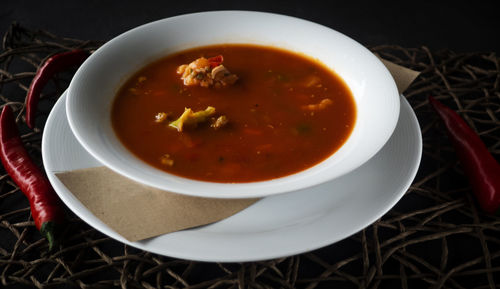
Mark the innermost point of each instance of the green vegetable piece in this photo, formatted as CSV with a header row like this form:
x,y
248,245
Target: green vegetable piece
x,y
302,129
283,77
191,118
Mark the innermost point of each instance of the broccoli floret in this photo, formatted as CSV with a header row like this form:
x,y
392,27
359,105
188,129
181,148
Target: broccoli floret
x,y
191,118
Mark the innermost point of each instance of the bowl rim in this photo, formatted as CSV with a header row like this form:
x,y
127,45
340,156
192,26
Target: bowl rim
x,y
186,186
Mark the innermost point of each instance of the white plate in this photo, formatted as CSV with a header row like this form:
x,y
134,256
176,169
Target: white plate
x,y
276,226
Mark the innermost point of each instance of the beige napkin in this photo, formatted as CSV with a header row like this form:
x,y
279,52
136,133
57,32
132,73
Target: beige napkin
x,y
402,76
139,212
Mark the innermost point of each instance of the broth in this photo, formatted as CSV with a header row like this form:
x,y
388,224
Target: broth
x,y
285,113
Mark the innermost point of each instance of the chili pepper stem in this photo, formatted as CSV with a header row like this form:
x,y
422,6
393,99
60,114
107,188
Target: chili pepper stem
x,y
49,231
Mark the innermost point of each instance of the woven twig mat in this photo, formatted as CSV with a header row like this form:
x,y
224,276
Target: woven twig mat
x,y
435,237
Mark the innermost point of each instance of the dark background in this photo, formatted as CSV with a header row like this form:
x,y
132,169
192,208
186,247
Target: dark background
x,y
457,25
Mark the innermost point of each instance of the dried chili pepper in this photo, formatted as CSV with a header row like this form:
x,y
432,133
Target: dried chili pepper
x,y
54,64
480,167
45,206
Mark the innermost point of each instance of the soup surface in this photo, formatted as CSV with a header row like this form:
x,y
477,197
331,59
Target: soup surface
x,y
283,114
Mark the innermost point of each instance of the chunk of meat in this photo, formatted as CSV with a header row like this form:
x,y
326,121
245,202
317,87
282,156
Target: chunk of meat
x,y
221,74
206,73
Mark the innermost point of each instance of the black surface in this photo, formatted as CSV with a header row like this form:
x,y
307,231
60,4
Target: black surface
x,y
458,25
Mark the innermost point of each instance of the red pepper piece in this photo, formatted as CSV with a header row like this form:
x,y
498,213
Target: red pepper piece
x,y
45,205
480,167
215,61
54,64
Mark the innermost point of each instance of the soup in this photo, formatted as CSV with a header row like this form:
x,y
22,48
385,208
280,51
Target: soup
x,y
269,113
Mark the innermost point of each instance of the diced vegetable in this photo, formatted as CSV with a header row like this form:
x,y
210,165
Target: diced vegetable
x,y
160,117
252,131
219,122
216,61
318,106
302,129
167,160
312,80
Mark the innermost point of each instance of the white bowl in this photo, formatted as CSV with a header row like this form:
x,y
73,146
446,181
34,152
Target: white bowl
x,y
95,84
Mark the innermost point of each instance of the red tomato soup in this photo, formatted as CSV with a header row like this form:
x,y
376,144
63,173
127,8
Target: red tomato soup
x,y
269,113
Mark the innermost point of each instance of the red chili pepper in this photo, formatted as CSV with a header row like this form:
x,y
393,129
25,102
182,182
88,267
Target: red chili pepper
x,y
215,61
45,205
480,167
54,64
